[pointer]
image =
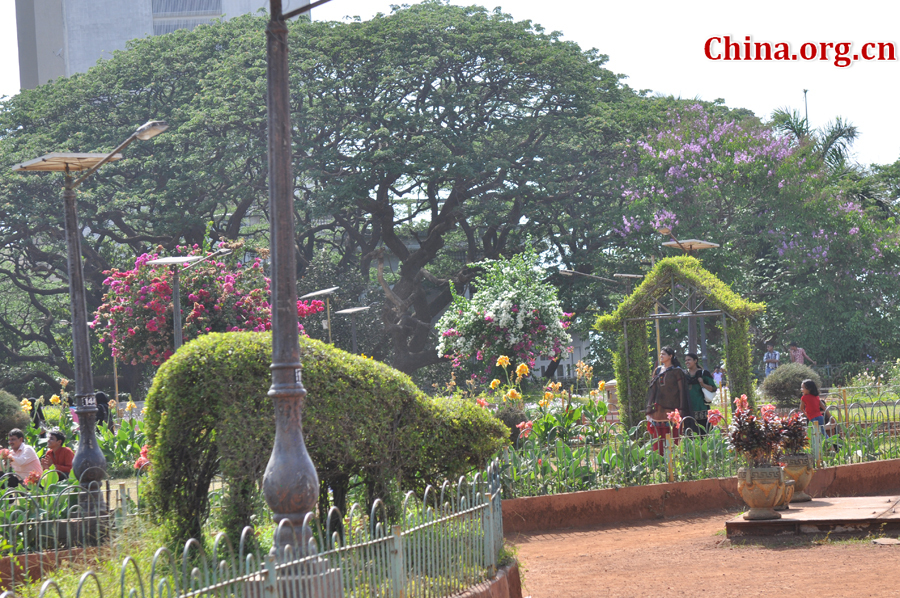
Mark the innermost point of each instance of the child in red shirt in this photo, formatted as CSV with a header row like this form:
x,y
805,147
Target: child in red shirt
x,y
809,400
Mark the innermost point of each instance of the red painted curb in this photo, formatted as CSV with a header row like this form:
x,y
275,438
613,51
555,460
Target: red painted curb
x,y
506,584
656,501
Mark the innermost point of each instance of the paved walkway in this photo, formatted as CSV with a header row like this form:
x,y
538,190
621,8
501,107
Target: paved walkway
x,y
857,515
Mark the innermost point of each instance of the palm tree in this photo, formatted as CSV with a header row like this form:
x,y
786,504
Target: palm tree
x,y
789,122
831,143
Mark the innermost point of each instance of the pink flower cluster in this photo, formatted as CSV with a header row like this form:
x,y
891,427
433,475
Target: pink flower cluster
x,y
144,459
524,429
137,315
674,418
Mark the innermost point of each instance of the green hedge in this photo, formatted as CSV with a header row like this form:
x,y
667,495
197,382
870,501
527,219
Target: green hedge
x,y
208,412
737,359
783,385
632,391
11,414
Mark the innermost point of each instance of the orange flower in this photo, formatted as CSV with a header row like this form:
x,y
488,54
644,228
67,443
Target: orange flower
x,y
522,370
514,394
494,384
503,361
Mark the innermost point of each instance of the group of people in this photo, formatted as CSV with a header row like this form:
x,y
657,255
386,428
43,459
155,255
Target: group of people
x,y
673,388
23,459
25,463
772,358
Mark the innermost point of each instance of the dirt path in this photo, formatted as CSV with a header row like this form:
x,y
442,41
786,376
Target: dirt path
x,y
691,557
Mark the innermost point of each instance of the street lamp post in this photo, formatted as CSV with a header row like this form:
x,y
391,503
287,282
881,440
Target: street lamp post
x,y
89,465
290,482
327,293
352,311
176,285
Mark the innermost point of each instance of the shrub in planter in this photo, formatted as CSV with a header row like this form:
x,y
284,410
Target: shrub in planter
x,y
783,385
11,414
208,413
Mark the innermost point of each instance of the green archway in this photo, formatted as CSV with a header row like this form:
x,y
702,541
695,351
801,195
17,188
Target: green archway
x,y
679,287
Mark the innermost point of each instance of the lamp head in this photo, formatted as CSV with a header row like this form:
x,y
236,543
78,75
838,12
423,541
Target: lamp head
x,y
566,272
663,230
151,129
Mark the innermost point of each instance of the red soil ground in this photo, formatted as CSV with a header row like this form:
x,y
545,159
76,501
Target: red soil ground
x,y
688,557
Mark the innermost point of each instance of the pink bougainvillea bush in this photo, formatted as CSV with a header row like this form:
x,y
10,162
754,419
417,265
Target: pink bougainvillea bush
x,y
221,294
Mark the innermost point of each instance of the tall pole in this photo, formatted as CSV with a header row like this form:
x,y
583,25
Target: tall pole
x,y
176,305
328,310
656,320
290,483
703,356
806,108
89,465
692,326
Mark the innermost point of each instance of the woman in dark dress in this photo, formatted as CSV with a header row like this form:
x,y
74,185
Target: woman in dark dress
x,y
667,393
697,380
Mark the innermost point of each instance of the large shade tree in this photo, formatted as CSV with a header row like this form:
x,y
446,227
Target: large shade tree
x,y
422,140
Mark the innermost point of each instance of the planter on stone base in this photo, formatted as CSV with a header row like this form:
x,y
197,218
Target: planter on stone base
x,y
762,488
800,469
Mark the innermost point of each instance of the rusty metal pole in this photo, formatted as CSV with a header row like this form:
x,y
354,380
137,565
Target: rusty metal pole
x,y
89,464
290,484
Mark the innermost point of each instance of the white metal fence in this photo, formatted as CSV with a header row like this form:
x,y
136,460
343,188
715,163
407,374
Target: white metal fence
x,y
441,543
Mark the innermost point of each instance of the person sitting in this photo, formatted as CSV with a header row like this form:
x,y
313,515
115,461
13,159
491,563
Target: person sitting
x,y
25,462
57,455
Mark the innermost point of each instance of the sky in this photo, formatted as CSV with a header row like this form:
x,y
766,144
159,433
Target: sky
x,y
660,45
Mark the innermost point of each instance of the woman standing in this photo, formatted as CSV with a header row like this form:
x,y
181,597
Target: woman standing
x,y
697,380
667,393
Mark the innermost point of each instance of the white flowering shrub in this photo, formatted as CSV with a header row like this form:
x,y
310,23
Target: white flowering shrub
x,y
513,313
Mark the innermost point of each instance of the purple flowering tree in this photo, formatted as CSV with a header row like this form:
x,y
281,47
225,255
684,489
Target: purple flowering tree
x,y
791,234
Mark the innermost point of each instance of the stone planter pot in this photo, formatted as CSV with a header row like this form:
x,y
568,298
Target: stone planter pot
x,y
800,469
787,496
761,488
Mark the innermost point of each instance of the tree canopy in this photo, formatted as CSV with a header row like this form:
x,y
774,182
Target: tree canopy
x,y
421,138
425,140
